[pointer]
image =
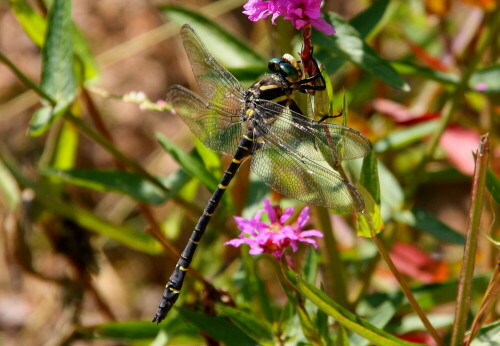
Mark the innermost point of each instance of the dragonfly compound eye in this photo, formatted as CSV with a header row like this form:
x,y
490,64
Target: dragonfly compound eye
x,y
274,65
289,72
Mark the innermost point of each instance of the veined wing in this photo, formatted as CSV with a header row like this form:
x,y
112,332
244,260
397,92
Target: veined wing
x,y
216,83
296,176
316,140
218,127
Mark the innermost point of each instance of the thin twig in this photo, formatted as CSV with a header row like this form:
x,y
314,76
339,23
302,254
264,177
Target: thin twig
x,y
406,290
469,258
490,297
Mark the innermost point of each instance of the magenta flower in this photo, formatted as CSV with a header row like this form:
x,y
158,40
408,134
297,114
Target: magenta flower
x,y
299,12
275,237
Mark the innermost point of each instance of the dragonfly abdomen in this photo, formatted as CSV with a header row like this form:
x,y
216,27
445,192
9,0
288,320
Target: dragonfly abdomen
x,y
174,284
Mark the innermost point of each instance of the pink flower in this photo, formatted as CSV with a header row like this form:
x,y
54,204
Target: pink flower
x,y
259,9
275,237
299,12
481,86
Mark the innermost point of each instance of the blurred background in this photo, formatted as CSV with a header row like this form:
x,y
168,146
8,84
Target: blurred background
x,y
44,284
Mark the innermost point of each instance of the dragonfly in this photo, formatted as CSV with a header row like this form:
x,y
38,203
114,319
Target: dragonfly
x,y
263,125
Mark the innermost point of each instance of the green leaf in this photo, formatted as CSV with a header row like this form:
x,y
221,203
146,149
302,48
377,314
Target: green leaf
x,y
348,44
402,138
124,234
66,147
9,188
344,317
428,296
85,57
366,21
308,328
411,323
121,331
218,328
225,47
370,222
310,265
422,220
487,78
410,69
127,235
138,330
35,27
255,328
493,185
31,22
211,160
342,337
391,196
40,120
488,335
369,176
193,166
58,77
380,317
122,182
255,289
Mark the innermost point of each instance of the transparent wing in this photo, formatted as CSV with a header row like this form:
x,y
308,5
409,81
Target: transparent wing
x,y
216,83
316,140
218,127
296,176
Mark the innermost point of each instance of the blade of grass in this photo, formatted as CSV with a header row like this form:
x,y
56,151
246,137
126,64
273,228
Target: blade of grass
x,y
471,237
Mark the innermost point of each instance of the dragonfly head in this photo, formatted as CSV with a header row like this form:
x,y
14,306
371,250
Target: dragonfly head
x,y
287,66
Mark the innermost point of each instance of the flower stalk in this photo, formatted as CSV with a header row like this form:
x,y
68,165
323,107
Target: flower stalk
x,y
469,258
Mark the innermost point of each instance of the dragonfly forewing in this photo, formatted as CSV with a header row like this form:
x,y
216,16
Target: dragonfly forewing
x,y
215,82
319,141
219,128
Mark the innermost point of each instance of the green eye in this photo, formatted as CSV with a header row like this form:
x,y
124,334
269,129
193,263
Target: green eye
x,y
274,65
288,70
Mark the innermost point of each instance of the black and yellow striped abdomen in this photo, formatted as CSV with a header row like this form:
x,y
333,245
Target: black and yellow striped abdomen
x,y
174,285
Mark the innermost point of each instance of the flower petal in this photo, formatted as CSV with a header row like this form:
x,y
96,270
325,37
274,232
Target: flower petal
x,y
323,26
310,241
270,211
236,242
311,233
286,215
303,218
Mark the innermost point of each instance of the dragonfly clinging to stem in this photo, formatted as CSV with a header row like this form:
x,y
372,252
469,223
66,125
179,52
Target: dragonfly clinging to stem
x,y
263,124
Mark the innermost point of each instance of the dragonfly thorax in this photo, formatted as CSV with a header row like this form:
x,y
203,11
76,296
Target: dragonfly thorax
x,y
271,87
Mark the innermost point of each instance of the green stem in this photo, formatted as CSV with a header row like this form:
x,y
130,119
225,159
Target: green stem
x,y
25,80
469,258
334,271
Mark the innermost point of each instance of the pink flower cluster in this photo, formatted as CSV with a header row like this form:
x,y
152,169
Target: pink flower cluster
x,y
275,237
299,12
